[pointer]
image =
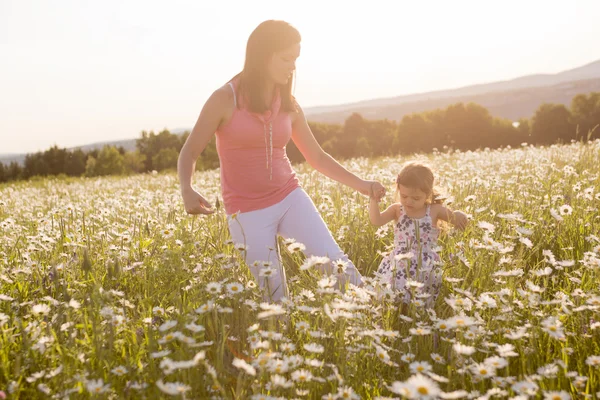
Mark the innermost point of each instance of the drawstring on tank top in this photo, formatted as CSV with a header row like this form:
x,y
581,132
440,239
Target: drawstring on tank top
x,y
269,148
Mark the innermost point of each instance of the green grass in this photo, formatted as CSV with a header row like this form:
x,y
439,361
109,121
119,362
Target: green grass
x,y
104,290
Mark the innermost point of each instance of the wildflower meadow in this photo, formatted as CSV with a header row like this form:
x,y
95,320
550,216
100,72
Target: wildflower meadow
x,y
109,290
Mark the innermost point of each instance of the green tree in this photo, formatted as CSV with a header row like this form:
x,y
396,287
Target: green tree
x,y
90,166
354,139
585,112
134,162
15,172
524,129
75,163
150,144
109,162
34,165
55,160
381,135
414,134
468,127
165,159
504,132
551,123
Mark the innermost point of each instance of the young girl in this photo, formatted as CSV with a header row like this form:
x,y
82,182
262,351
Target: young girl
x,y
415,219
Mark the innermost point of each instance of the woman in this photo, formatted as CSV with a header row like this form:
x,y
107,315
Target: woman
x,y
254,116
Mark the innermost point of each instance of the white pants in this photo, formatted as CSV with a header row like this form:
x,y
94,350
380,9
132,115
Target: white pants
x,y
293,217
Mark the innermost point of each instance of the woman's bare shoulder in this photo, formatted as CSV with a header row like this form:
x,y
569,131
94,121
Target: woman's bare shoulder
x,y
223,95
222,103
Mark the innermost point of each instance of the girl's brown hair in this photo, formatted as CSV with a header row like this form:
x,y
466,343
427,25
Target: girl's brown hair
x,y
268,38
419,176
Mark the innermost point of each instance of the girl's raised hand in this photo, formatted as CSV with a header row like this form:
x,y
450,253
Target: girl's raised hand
x,y
460,220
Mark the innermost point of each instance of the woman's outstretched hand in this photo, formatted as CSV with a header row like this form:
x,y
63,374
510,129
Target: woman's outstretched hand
x,y
195,203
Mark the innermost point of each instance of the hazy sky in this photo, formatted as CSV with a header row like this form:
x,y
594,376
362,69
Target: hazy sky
x,y
75,72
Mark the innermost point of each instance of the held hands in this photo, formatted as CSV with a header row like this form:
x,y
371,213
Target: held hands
x,y
194,203
374,190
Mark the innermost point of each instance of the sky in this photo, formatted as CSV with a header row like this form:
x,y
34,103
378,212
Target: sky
x,y
75,72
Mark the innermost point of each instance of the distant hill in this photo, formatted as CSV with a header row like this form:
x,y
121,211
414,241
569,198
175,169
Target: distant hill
x,y
511,104
589,71
512,99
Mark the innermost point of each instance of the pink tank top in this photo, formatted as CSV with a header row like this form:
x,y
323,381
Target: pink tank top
x,y
255,170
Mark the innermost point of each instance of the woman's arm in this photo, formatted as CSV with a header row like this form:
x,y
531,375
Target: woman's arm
x,y
213,113
323,162
377,218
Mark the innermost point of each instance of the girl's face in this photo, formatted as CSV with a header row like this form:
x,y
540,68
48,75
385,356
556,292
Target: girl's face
x,y
282,64
412,199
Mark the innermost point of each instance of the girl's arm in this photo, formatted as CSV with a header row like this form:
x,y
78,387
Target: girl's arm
x,y
321,161
457,218
381,218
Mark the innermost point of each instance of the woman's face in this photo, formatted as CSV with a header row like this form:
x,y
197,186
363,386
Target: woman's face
x,y
282,64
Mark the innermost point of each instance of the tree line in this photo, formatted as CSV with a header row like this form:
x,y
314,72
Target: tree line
x,y
459,126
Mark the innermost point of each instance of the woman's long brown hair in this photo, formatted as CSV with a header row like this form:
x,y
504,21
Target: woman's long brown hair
x,y
268,38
